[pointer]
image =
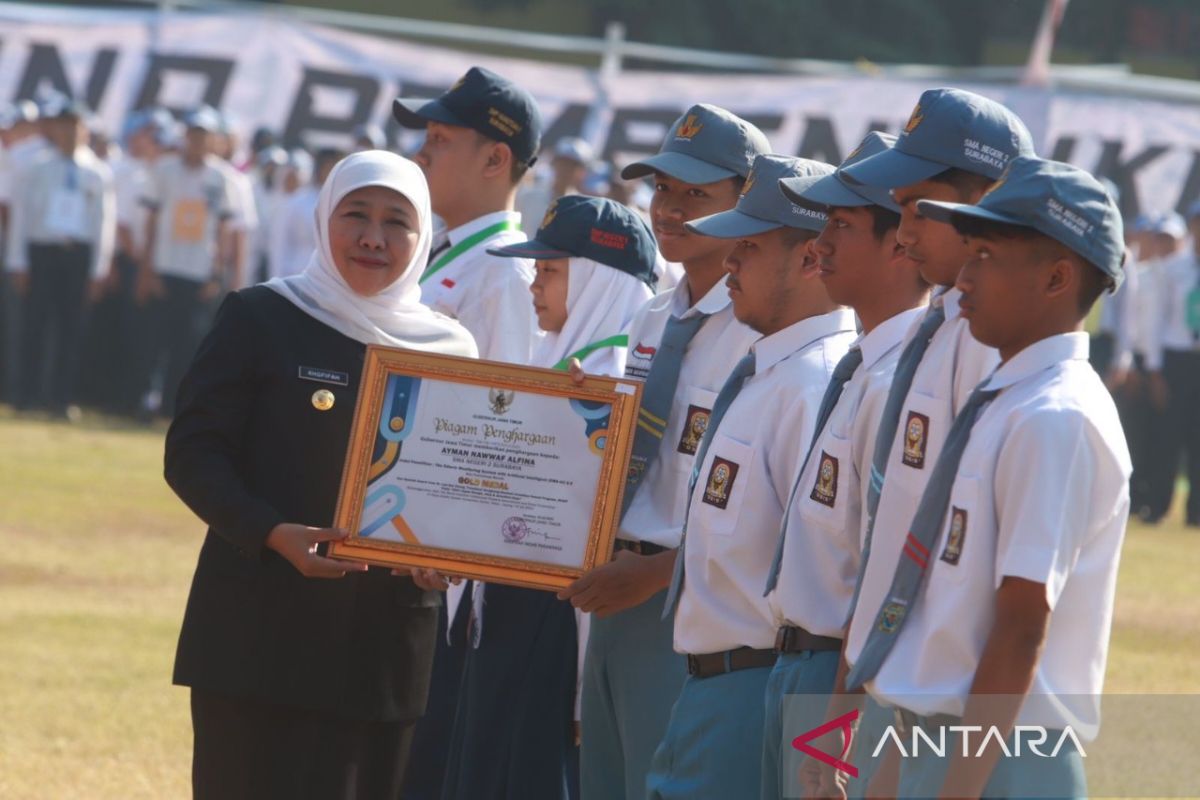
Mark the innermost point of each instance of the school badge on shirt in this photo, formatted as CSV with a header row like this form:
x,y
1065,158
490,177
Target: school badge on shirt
x,y
694,426
954,539
916,433
719,486
825,489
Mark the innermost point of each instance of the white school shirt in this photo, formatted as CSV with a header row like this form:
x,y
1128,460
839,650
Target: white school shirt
x,y
191,204
953,365
1178,276
1041,493
129,181
293,235
488,294
1145,300
21,156
825,523
657,510
745,481
64,200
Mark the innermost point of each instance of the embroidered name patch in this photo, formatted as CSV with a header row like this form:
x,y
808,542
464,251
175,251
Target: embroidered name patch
x,y
956,536
825,489
719,486
916,434
324,376
694,426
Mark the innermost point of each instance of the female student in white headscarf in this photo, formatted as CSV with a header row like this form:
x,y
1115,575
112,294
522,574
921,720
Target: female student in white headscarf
x,y
306,673
513,735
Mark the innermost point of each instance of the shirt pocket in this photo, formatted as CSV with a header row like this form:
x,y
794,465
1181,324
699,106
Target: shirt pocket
x,y
922,429
721,486
825,495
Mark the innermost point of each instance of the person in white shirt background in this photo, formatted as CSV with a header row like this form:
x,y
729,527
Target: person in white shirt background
x,y
481,138
183,272
1174,364
244,225
60,244
291,228
264,169
22,140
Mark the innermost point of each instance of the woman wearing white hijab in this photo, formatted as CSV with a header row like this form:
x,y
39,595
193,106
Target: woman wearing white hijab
x,y
595,268
306,673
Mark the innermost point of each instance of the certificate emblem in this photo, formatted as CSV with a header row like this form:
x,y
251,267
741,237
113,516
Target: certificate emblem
x,y
514,529
916,432
500,400
825,489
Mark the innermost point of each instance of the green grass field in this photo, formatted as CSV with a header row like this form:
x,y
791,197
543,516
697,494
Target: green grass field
x,y
95,559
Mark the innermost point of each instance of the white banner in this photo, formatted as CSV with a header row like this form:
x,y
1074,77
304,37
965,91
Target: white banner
x,y
315,84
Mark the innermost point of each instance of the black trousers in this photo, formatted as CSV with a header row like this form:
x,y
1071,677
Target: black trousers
x,y
52,324
512,735
1177,434
113,376
247,750
179,319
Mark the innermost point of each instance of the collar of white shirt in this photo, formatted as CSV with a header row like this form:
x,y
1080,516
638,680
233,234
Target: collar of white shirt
x,y
716,300
468,229
770,350
1040,355
886,335
948,296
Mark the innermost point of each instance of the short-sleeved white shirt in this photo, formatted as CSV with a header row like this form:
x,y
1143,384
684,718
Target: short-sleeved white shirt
x,y
953,365
1041,493
825,523
191,204
656,512
488,294
744,482
1178,276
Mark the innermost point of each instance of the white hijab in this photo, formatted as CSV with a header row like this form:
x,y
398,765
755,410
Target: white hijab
x,y
395,316
601,301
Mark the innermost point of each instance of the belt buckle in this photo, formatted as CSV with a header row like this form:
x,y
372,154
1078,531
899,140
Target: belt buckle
x,y
781,640
904,719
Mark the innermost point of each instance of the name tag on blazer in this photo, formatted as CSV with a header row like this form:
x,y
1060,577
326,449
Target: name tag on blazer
x,y
325,376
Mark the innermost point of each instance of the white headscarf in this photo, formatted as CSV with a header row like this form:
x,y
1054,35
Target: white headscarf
x,y
395,316
601,301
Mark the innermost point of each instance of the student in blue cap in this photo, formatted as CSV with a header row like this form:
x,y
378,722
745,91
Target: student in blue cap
x,y
683,344
481,137
1000,616
753,445
513,734
812,579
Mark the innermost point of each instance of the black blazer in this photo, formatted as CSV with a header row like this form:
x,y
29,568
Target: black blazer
x,y
248,450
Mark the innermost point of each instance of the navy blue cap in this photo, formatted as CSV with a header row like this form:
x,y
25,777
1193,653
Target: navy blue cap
x,y
485,102
833,191
761,207
705,145
1055,199
949,128
597,228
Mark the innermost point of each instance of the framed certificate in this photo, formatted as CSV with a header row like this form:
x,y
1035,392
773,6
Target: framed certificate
x,y
493,471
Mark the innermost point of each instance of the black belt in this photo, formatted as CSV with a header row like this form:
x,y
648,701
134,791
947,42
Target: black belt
x,y
641,548
906,720
794,639
708,664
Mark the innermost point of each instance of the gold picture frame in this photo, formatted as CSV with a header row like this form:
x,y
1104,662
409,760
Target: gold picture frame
x,y
378,476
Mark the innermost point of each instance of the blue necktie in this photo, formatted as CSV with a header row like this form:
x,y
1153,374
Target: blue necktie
x,y
733,385
902,378
657,394
833,392
914,560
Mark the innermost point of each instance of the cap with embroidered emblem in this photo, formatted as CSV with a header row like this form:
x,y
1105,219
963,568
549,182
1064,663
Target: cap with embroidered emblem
x,y
484,102
595,228
833,191
762,207
948,128
707,144
1058,200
